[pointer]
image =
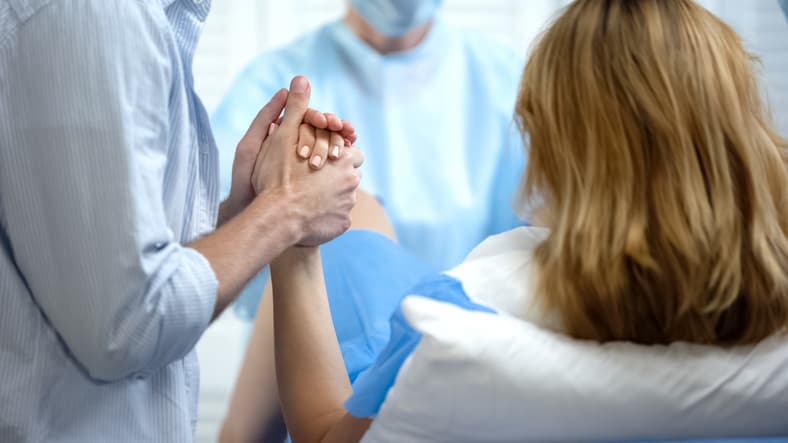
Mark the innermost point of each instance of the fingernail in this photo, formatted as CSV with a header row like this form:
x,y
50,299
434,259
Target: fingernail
x,y
316,161
271,128
299,85
335,151
304,152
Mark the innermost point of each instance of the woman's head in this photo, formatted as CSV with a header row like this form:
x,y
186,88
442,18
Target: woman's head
x,y
665,186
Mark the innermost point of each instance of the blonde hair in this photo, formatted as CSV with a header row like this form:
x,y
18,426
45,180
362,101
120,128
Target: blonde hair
x,y
666,187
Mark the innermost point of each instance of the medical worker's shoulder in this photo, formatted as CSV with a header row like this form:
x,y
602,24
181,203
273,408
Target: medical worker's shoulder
x,y
495,67
293,58
492,51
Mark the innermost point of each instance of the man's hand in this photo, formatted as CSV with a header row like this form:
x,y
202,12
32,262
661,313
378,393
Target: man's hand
x,y
323,199
241,192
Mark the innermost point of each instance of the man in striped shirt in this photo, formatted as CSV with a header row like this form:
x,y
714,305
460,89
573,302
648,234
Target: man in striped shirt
x,y
111,261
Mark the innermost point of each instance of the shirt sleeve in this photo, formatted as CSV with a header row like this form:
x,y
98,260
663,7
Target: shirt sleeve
x,y
372,385
91,83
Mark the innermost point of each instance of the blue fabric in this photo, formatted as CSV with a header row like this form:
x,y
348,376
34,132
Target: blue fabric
x,y
435,124
372,385
367,275
396,17
107,168
784,6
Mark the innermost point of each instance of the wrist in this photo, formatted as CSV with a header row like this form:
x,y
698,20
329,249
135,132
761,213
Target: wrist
x,y
228,209
299,263
298,254
278,211
235,203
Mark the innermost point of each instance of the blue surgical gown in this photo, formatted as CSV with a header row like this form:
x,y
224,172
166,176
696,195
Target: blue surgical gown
x,y
435,124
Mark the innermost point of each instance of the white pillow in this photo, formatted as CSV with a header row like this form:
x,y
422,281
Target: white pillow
x,y
479,377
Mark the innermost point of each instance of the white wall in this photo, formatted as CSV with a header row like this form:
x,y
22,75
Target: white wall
x,y
239,29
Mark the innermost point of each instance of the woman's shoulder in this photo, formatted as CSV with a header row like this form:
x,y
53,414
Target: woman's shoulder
x,y
500,273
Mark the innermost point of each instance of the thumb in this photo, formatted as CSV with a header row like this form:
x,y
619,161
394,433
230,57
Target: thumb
x,y
297,103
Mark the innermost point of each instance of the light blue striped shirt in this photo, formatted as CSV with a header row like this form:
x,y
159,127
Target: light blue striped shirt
x,y
107,169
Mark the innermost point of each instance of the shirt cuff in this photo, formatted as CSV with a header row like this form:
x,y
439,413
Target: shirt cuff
x,y
207,287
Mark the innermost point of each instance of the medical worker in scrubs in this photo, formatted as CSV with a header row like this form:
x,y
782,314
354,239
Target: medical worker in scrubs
x,y
432,105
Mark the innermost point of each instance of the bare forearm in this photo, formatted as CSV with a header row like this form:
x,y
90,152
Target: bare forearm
x,y
313,382
242,246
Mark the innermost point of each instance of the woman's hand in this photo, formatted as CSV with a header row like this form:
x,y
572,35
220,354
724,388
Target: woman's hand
x,y
319,145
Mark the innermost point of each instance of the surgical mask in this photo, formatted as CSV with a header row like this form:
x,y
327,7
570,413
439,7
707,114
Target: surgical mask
x,y
393,18
784,5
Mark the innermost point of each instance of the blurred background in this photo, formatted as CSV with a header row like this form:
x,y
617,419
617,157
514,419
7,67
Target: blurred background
x,y
238,30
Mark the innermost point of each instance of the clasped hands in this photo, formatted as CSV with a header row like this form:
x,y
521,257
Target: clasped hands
x,y
305,158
